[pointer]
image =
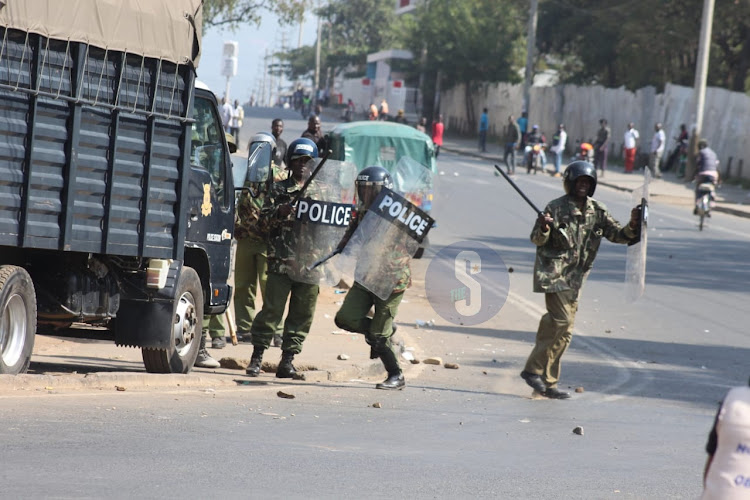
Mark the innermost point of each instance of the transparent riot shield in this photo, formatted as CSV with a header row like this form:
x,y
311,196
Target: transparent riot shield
x,y
322,216
635,263
377,255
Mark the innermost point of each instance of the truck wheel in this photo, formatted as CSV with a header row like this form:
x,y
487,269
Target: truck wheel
x,y
187,314
17,319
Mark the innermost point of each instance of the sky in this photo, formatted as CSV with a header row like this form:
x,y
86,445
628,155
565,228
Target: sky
x,y
253,43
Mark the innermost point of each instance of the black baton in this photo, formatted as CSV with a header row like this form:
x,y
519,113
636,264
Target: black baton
x,y
523,195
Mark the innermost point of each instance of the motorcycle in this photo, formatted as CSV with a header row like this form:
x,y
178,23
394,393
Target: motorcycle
x,y
704,201
534,155
585,152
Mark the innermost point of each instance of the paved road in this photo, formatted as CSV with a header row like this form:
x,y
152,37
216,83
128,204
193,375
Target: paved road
x,y
652,373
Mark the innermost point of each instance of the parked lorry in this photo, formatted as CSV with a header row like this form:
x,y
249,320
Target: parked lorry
x,y
116,199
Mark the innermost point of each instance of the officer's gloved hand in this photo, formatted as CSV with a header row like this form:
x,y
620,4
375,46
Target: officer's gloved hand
x,y
285,210
545,221
635,216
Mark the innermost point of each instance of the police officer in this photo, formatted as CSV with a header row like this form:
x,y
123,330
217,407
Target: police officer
x,y
250,261
353,315
277,215
567,236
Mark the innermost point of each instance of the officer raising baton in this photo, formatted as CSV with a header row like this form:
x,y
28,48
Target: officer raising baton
x,y
564,258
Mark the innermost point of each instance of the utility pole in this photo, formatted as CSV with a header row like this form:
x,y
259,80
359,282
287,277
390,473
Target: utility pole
x,y
699,87
530,49
317,64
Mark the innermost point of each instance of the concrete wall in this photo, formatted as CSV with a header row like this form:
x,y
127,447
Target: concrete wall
x,y
726,115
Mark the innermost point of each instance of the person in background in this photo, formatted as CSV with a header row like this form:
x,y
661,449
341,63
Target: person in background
x,y
437,134
727,471
238,115
373,114
383,111
523,126
558,147
706,168
657,150
484,124
277,128
682,141
226,112
400,118
512,142
422,125
601,146
629,147
314,133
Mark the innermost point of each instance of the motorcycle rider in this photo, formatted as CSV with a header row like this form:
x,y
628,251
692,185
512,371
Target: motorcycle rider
x,y
534,137
706,164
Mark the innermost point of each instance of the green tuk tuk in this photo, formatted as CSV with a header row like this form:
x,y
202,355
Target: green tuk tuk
x,y
367,143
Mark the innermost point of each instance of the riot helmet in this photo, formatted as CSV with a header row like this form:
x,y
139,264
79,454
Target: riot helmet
x,y
299,148
370,181
574,171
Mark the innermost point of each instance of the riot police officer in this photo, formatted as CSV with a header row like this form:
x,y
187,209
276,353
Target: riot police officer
x,y
353,315
277,218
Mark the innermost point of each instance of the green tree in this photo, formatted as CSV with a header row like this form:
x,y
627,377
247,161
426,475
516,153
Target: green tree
x,y
234,13
467,42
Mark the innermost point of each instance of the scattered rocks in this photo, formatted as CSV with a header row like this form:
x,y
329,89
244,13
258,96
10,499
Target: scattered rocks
x,y
285,395
451,366
579,389
433,361
377,405
414,361
578,430
510,269
120,388
234,363
343,357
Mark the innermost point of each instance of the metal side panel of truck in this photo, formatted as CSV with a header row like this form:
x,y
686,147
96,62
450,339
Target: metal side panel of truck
x,y
116,203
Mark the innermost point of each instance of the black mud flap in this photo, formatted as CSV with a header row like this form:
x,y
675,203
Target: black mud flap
x,y
147,323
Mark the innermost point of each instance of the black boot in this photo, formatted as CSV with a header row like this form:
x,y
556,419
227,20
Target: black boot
x,y
374,354
256,360
286,368
395,380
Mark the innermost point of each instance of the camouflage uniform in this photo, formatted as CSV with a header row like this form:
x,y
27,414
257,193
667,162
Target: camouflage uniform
x,y
279,285
353,315
250,263
564,257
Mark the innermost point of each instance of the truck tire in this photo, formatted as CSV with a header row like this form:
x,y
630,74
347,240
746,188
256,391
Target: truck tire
x,y
187,314
17,319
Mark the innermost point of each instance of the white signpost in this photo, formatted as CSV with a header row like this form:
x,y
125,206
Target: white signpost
x,y
229,64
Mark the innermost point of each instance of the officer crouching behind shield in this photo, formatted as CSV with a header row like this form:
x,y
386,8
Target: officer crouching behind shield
x,y
353,315
567,236
278,215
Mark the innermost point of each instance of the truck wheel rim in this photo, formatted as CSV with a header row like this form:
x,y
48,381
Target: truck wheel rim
x,y
185,321
13,330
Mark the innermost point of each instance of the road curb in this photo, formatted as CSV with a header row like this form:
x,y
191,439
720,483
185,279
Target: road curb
x,y
27,384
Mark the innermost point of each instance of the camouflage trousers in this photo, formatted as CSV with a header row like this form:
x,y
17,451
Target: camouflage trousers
x,y
553,336
250,269
353,316
303,298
